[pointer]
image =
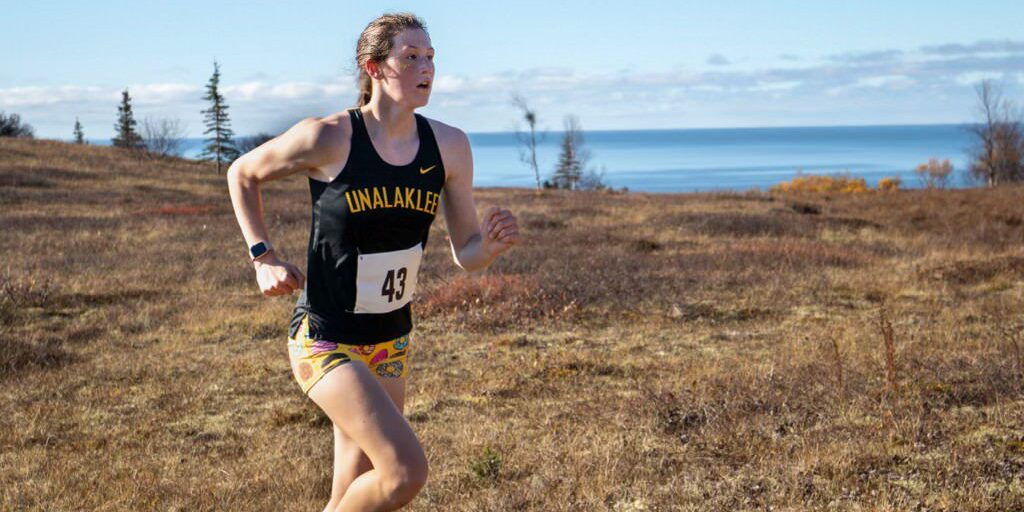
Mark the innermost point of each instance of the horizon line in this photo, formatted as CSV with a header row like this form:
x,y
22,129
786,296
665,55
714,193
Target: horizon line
x,y
725,128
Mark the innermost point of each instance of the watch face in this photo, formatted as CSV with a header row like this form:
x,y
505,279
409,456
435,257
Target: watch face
x,y
257,250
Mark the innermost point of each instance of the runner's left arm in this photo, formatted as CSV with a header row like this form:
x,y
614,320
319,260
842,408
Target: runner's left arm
x,y
475,244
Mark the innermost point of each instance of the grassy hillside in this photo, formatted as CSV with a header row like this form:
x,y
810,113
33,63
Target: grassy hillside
x,y
636,352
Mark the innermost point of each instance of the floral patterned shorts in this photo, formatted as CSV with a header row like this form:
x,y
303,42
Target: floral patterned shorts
x,y
312,359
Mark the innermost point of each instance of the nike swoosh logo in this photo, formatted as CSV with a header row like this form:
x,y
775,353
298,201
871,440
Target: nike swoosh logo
x,y
428,169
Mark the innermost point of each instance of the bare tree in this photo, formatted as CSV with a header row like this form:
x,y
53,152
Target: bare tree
x,y
247,144
528,153
999,154
593,179
163,137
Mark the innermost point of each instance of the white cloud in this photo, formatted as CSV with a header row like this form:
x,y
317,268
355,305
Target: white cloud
x,y
973,77
259,91
890,82
168,93
38,95
1005,46
775,86
448,84
871,56
707,88
161,94
894,81
846,86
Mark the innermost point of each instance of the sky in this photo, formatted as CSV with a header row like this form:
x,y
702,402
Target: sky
x,y
617,66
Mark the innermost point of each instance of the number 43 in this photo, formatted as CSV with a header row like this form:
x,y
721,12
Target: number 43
x,y
388,290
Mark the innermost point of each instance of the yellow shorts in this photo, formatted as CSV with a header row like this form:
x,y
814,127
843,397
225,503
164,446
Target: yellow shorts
x,y
312,359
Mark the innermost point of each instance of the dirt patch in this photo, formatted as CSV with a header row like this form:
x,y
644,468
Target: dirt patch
x,y
645,246
745,224
543,223
184,209
105,298
793,255
976,271
18,356
708,312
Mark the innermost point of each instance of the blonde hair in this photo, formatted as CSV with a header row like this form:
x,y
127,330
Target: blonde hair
x,y
376,42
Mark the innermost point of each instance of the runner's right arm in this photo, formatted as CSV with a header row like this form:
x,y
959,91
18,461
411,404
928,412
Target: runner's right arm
x,y
308,144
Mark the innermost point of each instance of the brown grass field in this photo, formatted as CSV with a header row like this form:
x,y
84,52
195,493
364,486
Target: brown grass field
x,y
741,351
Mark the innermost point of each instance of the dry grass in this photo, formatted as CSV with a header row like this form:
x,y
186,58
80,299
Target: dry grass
x,y
637,352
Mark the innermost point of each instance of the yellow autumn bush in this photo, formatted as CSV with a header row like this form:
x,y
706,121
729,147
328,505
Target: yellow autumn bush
x,y
843,184
889,183
840,184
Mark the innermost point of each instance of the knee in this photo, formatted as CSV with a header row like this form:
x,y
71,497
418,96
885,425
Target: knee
x,y
404,482
356,463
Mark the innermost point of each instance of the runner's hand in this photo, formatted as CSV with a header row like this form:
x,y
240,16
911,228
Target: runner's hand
x,y
277,277
500,230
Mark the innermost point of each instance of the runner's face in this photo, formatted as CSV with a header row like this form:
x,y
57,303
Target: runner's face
x,y
409,69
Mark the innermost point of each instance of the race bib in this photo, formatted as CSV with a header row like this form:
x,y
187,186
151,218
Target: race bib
x,y
386,281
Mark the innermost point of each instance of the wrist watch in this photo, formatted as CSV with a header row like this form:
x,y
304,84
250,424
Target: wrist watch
x,y
259,249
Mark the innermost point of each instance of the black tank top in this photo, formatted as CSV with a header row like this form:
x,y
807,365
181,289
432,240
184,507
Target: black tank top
x,y
369,229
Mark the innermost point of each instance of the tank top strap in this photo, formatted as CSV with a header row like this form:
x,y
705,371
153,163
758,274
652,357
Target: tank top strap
x,y
360,136
426,134
423,128
362,146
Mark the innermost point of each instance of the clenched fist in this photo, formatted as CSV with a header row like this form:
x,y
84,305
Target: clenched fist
x,y
501,230
277,277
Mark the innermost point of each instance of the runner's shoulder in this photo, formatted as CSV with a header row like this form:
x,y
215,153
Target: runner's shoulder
x,y
454,146
446,134
325,138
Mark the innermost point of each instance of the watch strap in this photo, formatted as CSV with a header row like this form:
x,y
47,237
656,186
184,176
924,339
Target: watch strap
x,y
259,249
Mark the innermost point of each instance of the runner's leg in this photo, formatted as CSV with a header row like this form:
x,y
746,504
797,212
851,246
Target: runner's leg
x,y
357,402
349,459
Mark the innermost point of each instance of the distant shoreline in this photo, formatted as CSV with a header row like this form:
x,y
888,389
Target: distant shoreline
x,y
697,160
653,130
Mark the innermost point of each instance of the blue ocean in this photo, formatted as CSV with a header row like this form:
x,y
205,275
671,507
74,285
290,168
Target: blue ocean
x,y
734,159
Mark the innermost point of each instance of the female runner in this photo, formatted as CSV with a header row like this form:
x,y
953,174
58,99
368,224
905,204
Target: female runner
x,y
377,174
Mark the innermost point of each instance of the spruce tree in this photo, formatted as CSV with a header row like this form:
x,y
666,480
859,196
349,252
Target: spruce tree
x,y
79,136
572,158
220,147
126,136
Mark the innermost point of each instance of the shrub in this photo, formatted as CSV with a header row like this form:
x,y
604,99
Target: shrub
x,y
889,183
489,300
487,466
934,174
843,184
11,126
247,144
23,289
593,180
